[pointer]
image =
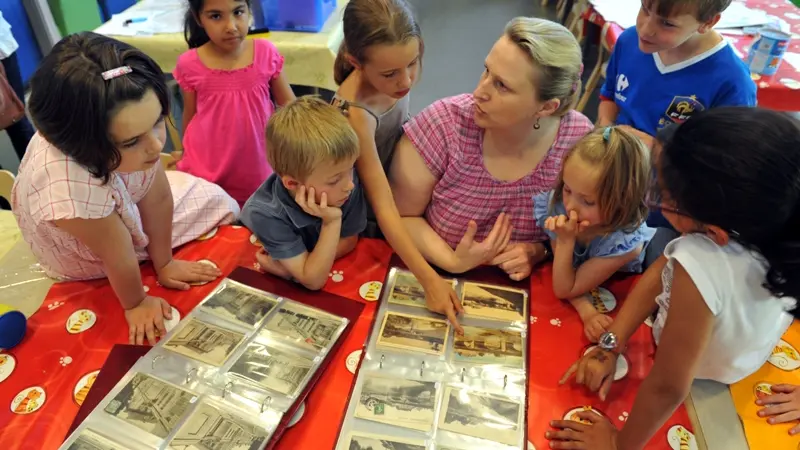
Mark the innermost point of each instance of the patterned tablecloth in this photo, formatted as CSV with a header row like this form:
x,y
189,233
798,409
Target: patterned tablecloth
x,y
308,56
44,380
780,91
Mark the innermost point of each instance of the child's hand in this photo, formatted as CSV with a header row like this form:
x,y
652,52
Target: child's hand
x,y
566,227
146,318
177,274
441,298
595,325
269,265
306,199
595,370
782,406
470,254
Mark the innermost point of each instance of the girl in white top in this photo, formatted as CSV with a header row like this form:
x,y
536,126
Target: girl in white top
x,y
91,198
728,180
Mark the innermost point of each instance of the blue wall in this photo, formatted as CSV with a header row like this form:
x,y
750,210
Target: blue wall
x,y
28,54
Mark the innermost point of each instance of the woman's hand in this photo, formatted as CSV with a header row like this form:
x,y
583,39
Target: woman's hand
x,y
146,319
517,260
177,274
595,370
470,254
441,298
598,434
782,406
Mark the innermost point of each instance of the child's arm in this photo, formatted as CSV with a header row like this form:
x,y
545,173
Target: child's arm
x,y
346,245
156,209
189,107
782,406
439,294
684,339
569,282
607,113
281,91
110,240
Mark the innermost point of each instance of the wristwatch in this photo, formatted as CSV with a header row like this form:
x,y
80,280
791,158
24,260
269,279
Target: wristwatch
x,y
609,341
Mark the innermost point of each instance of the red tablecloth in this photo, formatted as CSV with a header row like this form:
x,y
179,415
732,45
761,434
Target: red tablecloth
x,y
57,363
780,92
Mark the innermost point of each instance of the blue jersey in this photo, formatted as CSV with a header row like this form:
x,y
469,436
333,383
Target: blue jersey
x,y
651,95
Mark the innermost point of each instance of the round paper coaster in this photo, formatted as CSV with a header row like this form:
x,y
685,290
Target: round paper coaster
x,y
298,415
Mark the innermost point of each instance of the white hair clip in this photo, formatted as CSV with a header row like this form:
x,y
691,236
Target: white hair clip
x,y
118,72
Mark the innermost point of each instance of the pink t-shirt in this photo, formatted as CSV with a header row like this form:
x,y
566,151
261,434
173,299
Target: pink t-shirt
x,y
225,141
447,138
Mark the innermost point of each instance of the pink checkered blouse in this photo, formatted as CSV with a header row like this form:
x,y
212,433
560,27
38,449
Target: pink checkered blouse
x,y
447,138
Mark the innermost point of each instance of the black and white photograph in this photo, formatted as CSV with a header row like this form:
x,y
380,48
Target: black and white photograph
x,y
406,290
240,305
272,369
480,415
150,404
362,441
493,302
403,403
488,346
213,428
413,333
311,328
89,440
204,342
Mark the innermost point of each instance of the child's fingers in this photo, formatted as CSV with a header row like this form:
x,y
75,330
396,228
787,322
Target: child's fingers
x,y
323,200
159,326
774,399
131,334
150,332
795,430
777,408
786,388
456,302
139,335
786,417
166,309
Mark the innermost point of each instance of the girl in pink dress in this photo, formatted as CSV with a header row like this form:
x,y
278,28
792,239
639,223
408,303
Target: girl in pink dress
x,y
92,198
228,85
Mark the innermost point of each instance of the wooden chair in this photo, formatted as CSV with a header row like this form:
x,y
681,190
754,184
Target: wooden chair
x,y
6,183
168,161
575,19
599,71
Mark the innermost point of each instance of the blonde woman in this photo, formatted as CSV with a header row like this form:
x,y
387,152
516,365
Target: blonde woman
x,y
465,172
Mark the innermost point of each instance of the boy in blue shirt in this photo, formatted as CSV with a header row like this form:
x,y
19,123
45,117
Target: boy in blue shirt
x,y
311,210
670,65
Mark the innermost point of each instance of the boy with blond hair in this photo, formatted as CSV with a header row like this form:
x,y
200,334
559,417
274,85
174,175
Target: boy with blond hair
x,y
311,209
670,65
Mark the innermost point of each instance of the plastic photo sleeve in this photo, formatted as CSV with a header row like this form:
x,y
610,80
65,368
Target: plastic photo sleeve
x,y
305,327
240,304
481,415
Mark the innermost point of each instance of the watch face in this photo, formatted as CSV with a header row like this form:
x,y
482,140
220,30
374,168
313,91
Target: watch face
x,y
608,341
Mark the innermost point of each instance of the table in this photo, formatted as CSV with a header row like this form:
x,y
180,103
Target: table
x,y
59,361
308,57
780,92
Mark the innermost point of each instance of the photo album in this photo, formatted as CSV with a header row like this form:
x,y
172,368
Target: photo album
x,y
421,386
226,377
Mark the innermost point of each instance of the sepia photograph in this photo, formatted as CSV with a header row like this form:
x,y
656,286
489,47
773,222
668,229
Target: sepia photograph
x,y
360,441
212,428
204,342
403,403
480,415
406,290
413,333
314,329
150,404
488,346
493,302
240,305
89,440
272,368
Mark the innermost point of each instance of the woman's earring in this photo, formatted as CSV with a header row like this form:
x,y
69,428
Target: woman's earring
x,y
536,126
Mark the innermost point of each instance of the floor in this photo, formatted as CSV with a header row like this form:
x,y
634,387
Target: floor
x,y
458,35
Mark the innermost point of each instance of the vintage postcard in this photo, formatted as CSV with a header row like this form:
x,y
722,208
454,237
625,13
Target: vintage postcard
x,y
406,290
403,403
413,333
493,302
363,441
89,440
240,305
272,369
204,342
150,404
315,329
488,346
480,415
212,428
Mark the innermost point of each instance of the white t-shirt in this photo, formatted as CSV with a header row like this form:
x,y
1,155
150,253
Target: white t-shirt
x,y
7,43
749,320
